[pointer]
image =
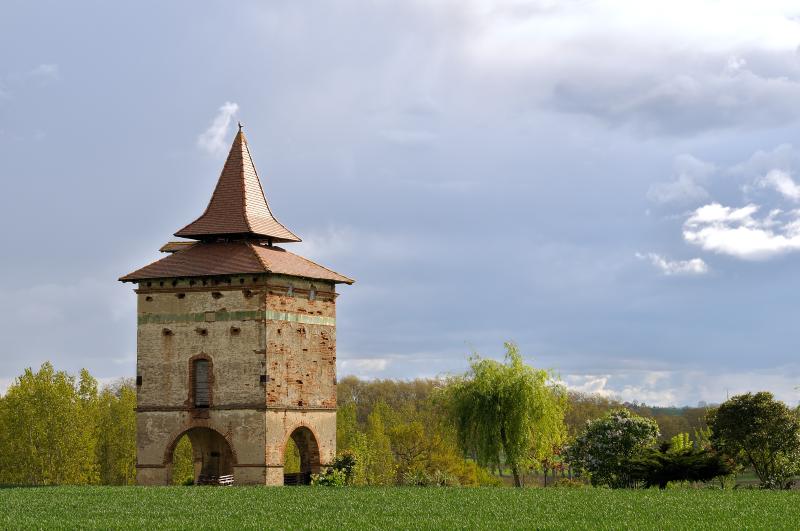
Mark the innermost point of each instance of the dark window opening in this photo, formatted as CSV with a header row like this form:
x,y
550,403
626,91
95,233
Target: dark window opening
x,y
202,396
139,380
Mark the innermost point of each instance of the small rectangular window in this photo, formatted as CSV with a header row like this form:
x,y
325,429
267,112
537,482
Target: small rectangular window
x,y
201,391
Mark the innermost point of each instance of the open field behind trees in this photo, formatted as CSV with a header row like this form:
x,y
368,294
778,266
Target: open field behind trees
x,y
395,508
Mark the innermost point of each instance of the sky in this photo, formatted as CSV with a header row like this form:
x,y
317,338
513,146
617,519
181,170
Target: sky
x,y
614,186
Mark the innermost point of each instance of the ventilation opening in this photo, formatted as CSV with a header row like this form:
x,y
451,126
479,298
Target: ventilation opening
x,y
201,331
166,332
235,331
216,294
180,295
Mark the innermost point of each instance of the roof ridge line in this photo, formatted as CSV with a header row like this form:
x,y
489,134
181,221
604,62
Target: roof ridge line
x,y
244,184
319,265
261,188
252,247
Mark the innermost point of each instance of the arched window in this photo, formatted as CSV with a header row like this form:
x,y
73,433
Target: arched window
x,y
200,380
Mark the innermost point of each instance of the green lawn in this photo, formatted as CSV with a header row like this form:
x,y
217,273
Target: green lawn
x,y
399,508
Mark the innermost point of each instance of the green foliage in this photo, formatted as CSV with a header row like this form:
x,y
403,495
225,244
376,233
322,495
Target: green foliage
x,y
608,443
680,442
657,467
329,478
507,412
183,462
757,430
345,462
346,425
672,421
379,464
421,478
48,423
291,457
116,434
394,508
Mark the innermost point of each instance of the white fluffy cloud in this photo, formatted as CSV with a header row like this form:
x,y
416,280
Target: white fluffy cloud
x,y
214,139
740,233
782,182
670,388
694,266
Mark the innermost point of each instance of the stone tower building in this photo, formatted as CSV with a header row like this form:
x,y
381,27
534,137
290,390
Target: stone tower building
x,y
236,343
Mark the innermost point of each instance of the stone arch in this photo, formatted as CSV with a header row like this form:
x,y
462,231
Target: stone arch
x,y
307,443
213,453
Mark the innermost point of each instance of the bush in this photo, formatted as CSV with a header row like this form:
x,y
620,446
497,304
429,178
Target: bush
x,y
421,478
606,443
346,463
659,467
569,483
330,478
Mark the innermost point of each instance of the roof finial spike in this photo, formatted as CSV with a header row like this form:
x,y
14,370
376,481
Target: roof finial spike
x,y
240,126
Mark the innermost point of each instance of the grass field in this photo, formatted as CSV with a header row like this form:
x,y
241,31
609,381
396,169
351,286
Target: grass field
x,y
397,508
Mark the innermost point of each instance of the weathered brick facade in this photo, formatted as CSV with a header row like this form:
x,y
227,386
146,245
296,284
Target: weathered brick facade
x,y
264,329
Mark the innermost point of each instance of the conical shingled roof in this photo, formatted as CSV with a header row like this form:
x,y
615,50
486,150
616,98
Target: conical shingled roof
x,y
238,206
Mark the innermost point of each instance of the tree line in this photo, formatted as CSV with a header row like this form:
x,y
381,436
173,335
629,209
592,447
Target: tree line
x,y
500,422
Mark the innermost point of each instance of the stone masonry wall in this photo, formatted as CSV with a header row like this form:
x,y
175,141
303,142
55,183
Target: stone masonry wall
x,y
272,347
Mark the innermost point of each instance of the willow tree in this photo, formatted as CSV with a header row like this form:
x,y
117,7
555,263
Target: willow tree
x,y
506,412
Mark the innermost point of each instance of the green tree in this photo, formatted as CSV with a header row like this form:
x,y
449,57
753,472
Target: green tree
x,y
759,431
505,412
346,426
607,443
380,465
183,462
291,458
48,426
116,433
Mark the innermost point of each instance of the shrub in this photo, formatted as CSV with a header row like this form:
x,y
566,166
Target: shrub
x,y
606,443
569,483
345,462
421,478
330,478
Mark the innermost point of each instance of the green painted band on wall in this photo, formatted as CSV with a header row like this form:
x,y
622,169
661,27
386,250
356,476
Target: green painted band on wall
x,y
299,318
202,317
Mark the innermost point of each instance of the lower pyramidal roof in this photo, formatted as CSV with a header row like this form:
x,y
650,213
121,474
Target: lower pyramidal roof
x,y
231,258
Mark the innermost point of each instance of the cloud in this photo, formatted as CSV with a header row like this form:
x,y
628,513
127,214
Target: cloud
x,y
671,388
14,82
364,367
687,186
738,232
783,157
213,139
684,102
782,182
47,72
694,266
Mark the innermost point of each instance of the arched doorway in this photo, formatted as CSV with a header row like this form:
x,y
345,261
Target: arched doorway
x,y
212,457
303,442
